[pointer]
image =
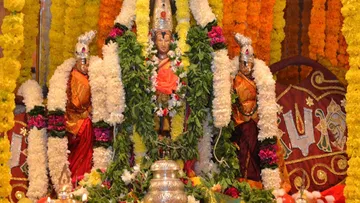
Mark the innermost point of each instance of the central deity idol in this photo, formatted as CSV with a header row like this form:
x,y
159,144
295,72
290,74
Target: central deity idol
x,y
167,80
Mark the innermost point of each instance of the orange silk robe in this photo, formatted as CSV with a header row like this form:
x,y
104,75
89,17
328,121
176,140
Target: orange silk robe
x,y
78,107
78,123
246,91
166,84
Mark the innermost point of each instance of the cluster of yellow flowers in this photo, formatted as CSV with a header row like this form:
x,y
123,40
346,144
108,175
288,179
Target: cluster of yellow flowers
x,y
91,179
277,34
91,22
74,21
139,147
142,22
31,12
5,187
182,28
217,9
351,30
56,35
12,42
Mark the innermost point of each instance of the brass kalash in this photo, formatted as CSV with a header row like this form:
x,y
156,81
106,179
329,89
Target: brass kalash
x,y
165,187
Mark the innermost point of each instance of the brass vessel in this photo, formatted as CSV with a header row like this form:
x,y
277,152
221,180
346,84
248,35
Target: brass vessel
x,y
165,187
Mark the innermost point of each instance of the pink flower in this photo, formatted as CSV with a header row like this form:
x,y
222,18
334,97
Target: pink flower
x,y
216,35
115,32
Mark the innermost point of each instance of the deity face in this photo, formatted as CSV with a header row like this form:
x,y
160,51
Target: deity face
x,y
82,65
162,41
246,67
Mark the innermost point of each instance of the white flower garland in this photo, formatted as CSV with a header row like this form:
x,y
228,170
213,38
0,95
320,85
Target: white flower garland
x,y
176,99
267,106
202,12
222,88
32,93
267,111
37,160
102,157
58,158
127,13
97,82
115,93
205,166
57,96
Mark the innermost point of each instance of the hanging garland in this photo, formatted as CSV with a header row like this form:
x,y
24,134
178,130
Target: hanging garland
x,y
108,11
31,11
333,28
142,22
228,26
317,29
5,155
253,21
264,39
217,7
182,28
91,8
343,56
11,41
73,21
56,35
37,160
350,29
277,34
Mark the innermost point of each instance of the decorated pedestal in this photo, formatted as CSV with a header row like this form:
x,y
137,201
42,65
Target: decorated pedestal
x,y
165,187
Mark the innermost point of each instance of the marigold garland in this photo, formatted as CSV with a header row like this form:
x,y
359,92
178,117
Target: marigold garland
x,y
317,29
264,40
74,19
92,18
253,22
108,11
5,154
142,22
333,27
350,29
277,34
11,41
56,35
343,56
31,11
182,28
217,8
228,25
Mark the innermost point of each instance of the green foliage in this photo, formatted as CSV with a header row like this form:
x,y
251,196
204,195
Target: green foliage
x,y
37,110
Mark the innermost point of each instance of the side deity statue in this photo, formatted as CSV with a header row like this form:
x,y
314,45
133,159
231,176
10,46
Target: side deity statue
x,y
245,113
166,80
245,116
78,110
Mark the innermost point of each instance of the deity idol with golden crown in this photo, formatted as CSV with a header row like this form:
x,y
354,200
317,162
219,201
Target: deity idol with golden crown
x,y
167,81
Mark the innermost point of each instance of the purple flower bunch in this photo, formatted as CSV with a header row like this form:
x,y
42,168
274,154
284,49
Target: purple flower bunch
x,y
216,36
56,122
37,121
102,134
268,155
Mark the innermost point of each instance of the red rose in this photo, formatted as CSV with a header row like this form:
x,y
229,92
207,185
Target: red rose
x,y
166,81
189,168
233,192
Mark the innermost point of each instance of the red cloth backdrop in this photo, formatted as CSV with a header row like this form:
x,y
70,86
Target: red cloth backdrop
x,y
312,120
